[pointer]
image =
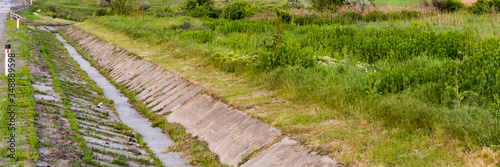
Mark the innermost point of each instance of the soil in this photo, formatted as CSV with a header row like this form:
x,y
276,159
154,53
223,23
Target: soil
x,y
57,147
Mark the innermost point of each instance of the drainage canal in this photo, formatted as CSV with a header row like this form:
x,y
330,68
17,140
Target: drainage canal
x,y
155,139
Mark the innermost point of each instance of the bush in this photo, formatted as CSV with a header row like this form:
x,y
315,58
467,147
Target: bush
x,y
104,3
321,5
201,8
481,6
375,16
198,36
192,4
454,5
238,10
285,16
231,62
121,7
448,5
485,6
352,16
147,7
101,12
305,20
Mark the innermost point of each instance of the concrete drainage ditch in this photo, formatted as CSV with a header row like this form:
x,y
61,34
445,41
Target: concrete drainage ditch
x,y
155,139
230,133
114,138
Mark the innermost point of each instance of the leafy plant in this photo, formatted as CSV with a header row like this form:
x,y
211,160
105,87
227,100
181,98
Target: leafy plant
x,y
448,5
238,10
284,16
121,7
322,5
201,8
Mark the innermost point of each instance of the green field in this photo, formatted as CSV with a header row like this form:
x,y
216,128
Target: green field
x,y
400,88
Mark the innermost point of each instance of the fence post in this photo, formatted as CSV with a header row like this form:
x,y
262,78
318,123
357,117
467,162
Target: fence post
x,y
6,59
18,23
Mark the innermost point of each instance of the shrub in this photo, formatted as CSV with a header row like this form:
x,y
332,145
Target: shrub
x,y
104,3
100,12
321,5
352,16
146,6
375,16
285,16
304,20
448,5
406,14
192,4
121,7
485,6
238,10
201,8
439,4
231,62
454,5
202,36
481,6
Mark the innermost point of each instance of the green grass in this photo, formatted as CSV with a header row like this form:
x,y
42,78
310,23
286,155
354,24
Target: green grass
x,y
25,132
184,142
403,92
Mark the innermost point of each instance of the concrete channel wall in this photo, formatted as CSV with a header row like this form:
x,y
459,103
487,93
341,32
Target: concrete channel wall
x,y
230,133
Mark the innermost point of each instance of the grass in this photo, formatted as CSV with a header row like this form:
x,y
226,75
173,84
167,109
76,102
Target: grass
x,y
403,113
58,60
25,131
296,100
184,142
50,55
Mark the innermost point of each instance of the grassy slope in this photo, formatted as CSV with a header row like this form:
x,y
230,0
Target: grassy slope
x,y
349,139
26,138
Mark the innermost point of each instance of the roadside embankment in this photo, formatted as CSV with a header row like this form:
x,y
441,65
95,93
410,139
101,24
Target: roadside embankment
x,y
231,134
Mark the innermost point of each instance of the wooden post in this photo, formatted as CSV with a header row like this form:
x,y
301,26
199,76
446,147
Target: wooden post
x,y
142,11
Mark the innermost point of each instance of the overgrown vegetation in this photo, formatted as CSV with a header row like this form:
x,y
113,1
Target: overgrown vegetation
x,y
418,74
184,142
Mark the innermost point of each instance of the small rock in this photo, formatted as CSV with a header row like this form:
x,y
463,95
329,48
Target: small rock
x,y
99,105
106,142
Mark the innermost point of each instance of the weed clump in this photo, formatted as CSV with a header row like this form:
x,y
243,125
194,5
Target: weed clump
x,y
238,10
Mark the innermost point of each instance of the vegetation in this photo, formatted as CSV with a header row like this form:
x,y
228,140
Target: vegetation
x,y
184,142
26,140
414,80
